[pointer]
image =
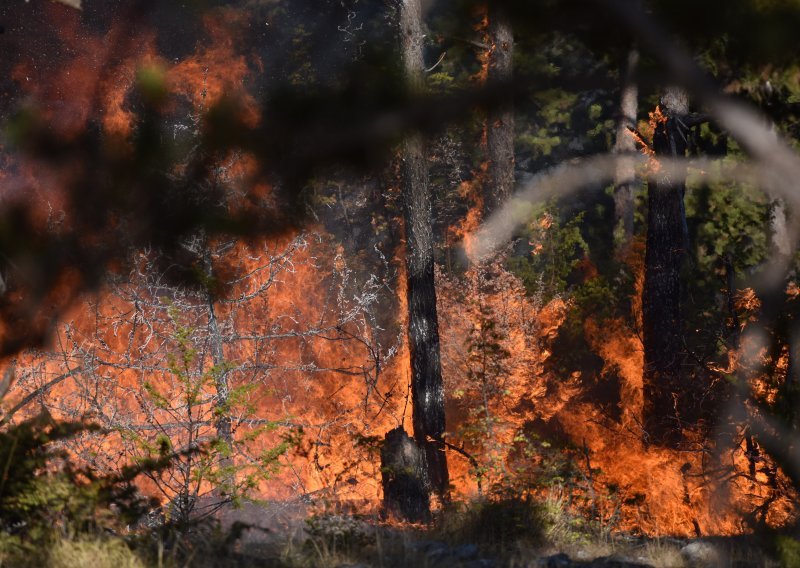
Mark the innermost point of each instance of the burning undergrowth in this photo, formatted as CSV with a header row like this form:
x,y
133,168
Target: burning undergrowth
x,y
520,427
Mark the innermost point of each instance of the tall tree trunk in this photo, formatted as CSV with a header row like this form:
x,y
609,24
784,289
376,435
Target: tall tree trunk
x,y
667,395
780,236
625,176
781,251
427,390
500,120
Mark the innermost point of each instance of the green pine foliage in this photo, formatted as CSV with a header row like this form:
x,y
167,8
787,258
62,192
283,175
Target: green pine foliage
x,y
550,251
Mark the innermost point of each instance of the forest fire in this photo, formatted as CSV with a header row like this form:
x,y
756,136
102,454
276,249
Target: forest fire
x,y
242,363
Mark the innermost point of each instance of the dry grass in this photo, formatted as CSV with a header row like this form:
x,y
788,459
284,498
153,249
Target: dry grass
x,y
563,530
663,554
499,524
512,533
95,553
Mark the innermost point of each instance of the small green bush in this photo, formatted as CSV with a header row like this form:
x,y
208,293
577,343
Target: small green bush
x,y
43,497
45,500
789,552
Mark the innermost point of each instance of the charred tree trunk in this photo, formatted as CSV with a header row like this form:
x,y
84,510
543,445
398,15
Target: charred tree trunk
x,y
427,390
405,490
625,176
734,328
666,392
500,121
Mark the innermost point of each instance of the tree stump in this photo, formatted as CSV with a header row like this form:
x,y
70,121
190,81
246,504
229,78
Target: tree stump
x,y
405,490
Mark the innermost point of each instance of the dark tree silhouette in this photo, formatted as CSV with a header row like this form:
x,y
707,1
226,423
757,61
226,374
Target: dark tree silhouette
x,y
665,391
500,120
427,390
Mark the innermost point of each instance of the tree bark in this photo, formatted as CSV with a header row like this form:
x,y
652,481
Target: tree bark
x,y
405,491
780,238
667,396
427,390
500,120
223,425
625,176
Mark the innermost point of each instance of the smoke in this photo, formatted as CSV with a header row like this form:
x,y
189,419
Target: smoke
x,y
567,179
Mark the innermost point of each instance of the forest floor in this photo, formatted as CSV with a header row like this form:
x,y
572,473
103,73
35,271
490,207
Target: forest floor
x,y
475,537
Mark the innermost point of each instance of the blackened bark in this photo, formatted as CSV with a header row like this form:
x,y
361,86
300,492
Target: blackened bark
x,y
667,396
789,398
405,490
500,120
427,390
625,176
734,327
